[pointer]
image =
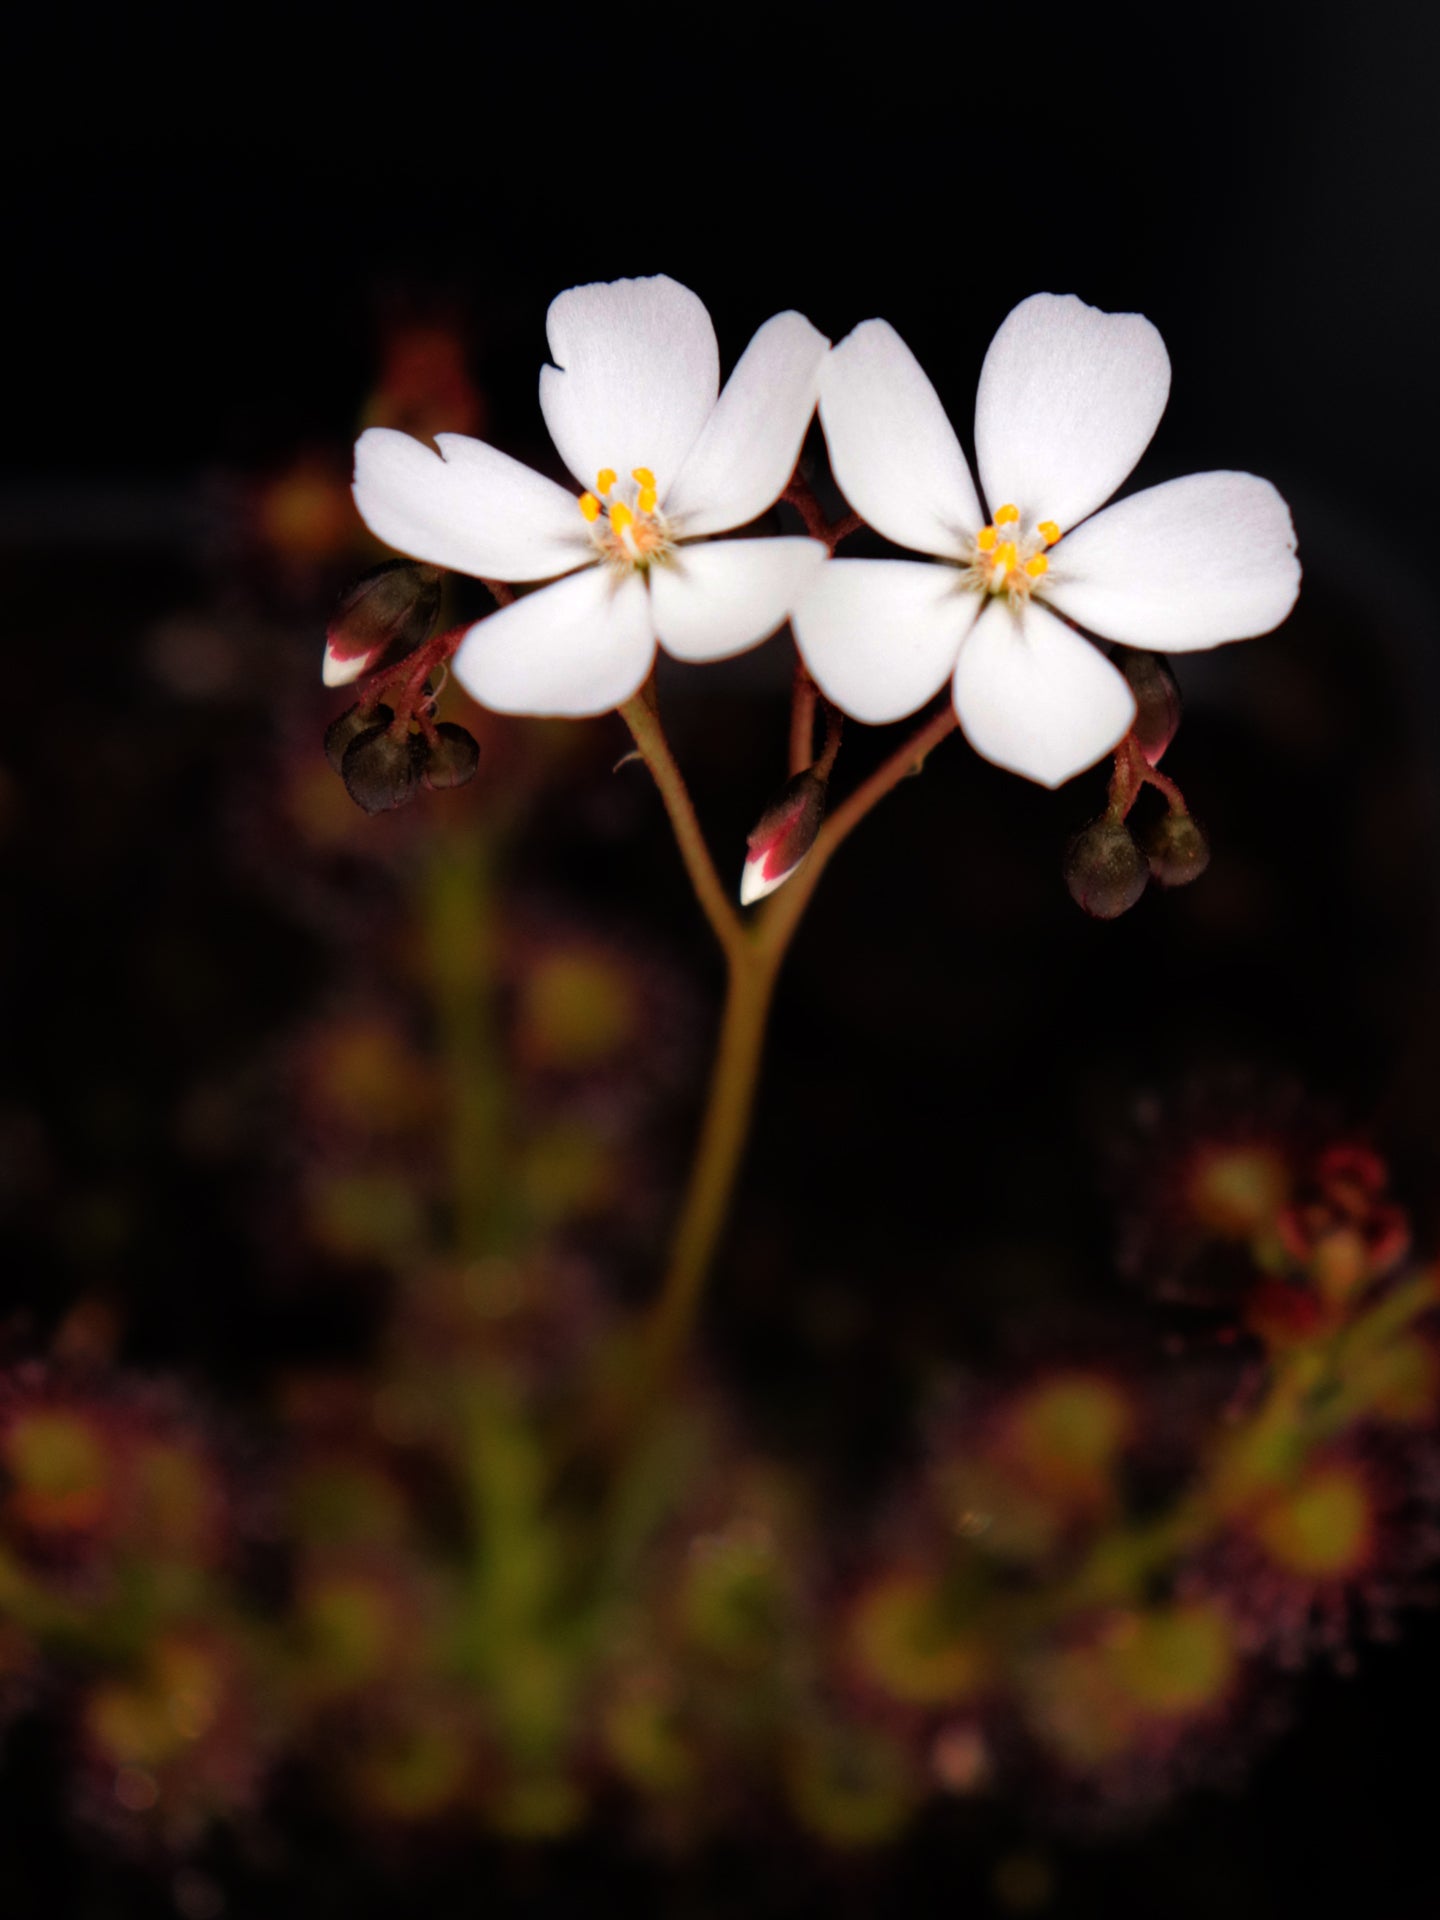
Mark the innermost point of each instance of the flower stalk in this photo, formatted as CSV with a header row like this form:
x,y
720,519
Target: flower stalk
x,y
754,952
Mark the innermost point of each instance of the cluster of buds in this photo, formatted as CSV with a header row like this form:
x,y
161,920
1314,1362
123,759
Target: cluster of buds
x,y
1107,865
389,745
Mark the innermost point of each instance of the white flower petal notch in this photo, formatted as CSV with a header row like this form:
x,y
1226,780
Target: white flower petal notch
x,y
1069,398
664,458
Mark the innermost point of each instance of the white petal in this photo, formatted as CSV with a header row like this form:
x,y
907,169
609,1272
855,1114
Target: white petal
x,y
1190,564
467,507
880,636
1036,698
1069,399
636,375
579,647
749,445
722,596
893,452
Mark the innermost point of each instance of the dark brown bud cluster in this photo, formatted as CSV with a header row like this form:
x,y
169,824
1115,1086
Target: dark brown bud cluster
x,y
384,762
1109,864
1107,867
389,745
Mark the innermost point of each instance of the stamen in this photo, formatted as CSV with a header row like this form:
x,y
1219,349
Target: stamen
x,y
645,477
1036,565
1006,555
986,538
604,480
590,507
1048,532
1007,516
621,517
647,499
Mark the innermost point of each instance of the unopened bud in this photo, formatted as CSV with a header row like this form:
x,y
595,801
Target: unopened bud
x,y
382,770
1177,849
452,760
386,614
1157,701
1104,869
349,726
784,836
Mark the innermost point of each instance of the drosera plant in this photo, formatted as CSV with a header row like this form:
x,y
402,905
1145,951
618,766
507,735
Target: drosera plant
x,y
1069,398
520,1562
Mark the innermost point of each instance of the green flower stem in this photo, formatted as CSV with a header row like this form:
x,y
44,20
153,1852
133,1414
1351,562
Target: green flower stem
x,y
642,717
754,952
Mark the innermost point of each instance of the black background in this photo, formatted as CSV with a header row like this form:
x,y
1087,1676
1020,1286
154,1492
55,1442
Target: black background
x,y
212,214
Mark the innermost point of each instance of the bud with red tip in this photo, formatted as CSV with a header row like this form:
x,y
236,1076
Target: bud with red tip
x,y
1157,701
1104,869
1177,850
784,836
386,614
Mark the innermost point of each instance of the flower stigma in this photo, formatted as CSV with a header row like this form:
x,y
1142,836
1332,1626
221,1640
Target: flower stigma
x,y
630,531
1006,558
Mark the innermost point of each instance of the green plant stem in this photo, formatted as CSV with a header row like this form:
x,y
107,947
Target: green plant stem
x,y
643,720
1305,1407
724,1131
754,953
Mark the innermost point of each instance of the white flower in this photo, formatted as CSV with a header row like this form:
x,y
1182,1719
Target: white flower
x,y
664,458
1069,398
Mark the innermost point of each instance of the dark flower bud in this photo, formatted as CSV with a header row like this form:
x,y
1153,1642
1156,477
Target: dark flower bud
x,y
349,726
452,760
1157,701
1104,869
386,614
1177,849
382,770
784,836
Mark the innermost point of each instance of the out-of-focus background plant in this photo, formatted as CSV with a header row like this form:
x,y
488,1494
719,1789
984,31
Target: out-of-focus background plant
x,y
1061,1437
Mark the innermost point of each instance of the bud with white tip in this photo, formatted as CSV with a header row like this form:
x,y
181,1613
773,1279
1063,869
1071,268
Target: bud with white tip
x,y
784,836
386,614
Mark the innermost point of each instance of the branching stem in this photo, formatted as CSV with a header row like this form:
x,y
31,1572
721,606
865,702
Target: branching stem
x,y
754,951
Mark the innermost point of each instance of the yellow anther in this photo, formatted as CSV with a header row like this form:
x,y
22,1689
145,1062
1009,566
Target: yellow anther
x,y
645,477
647,499
986,538
590,507
1036,565
1006,554
1048,532
604,480
1006,516
621,517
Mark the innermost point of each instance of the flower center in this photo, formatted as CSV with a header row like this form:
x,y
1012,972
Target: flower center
x,y
1008,558
626,526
